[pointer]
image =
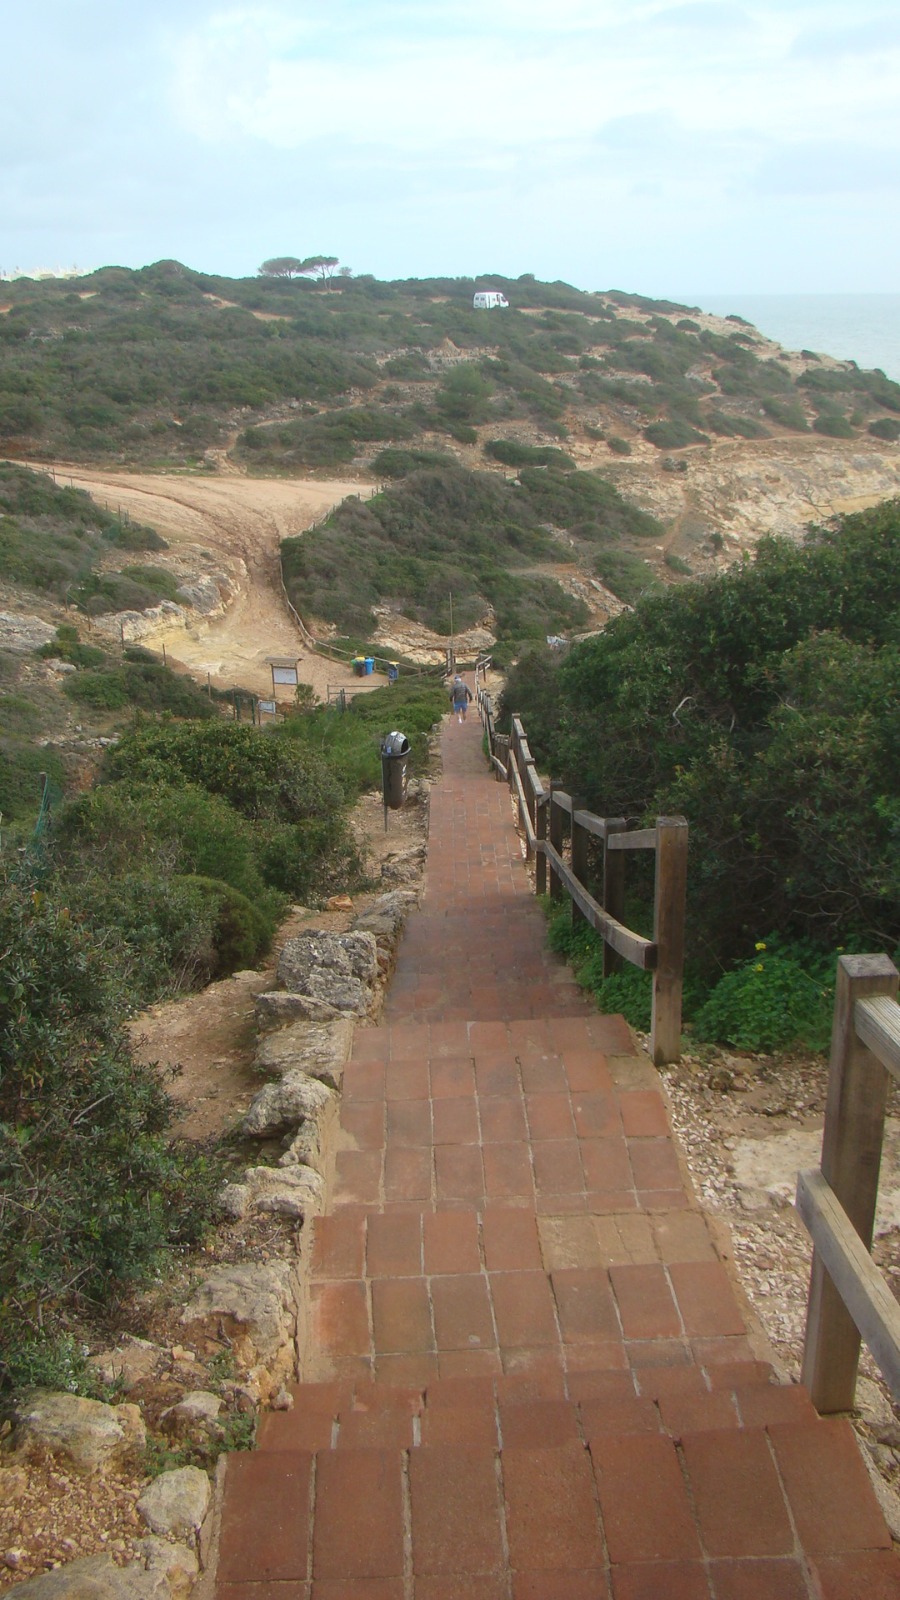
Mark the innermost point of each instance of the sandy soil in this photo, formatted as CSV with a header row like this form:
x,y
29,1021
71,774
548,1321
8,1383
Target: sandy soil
x,y
234,523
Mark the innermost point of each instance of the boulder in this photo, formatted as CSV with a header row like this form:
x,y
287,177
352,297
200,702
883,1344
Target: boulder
x,y
254,1305
337,969
164,1572
176,1502
291,1191
281,1106
90,1436
320,1050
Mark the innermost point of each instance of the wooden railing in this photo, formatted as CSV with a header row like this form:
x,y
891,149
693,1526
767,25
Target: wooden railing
x,y
557,830
849,1300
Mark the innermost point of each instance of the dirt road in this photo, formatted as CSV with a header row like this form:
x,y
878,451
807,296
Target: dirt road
x,y
232,525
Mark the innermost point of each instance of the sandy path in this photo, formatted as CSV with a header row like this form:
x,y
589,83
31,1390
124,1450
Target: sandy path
x,y
237,523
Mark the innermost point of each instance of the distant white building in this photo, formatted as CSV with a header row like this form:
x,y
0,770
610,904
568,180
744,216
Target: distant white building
x,y
40,272
489,300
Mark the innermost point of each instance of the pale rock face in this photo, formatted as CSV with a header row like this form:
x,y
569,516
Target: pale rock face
x,y
319,1050
277,1008
256,1305
90,1436
176,1502
197,1412
21,635
281,1106
385,918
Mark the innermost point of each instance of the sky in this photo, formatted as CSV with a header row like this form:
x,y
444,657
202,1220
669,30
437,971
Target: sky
x,y
665,148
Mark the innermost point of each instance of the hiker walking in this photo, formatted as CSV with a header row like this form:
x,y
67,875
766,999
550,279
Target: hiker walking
x,y
460,695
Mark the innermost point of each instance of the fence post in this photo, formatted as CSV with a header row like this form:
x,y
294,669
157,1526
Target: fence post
x,y
579,863
668,934
613,890
555,830
540,860
851,1156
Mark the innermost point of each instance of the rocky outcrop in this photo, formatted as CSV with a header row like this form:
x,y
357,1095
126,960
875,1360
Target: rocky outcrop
x,y
290,1190
283,1106
130,1363
89,1436
254,1306
22,635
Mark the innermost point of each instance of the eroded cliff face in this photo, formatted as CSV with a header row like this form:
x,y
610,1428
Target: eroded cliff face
x,y
744,490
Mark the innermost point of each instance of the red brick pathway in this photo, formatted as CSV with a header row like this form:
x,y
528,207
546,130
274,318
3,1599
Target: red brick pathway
x,y
529,1377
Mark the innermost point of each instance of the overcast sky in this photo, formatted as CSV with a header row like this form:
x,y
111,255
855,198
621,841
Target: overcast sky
x,y
664,148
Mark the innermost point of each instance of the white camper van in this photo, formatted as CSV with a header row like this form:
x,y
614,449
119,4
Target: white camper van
x,y
489,299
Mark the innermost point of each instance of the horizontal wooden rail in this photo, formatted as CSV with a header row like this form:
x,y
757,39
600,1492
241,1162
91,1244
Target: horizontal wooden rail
x,y
878,1026
641,839
639,951
854,1274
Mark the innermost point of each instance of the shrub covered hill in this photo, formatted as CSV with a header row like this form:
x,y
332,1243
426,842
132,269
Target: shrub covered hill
x,y
501,440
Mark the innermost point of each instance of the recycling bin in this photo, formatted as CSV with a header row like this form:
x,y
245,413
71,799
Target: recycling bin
x,y
368,664
359,666
394,761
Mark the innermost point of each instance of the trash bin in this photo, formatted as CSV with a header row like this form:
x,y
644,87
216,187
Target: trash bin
x,y
359,666
368,664
393,672
394,759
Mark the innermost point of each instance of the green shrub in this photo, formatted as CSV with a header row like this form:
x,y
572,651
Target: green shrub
x,y
787,413
834,425
782,996
513,454
399,463
242,933
673,435
885,428
619,447
93,1192
102,691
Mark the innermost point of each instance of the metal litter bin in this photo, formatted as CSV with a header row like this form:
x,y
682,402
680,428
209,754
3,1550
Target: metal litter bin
x,y
394,759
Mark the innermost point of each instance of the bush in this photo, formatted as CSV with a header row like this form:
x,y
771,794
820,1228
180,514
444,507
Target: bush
x,y
92,1190
782,996
619,447
513,454
885,428
673,435
834,425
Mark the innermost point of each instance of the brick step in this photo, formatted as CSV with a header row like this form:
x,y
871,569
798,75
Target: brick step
x,y
747,1512
522,1411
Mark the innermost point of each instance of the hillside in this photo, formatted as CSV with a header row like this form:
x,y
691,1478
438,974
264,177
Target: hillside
x,y
710,428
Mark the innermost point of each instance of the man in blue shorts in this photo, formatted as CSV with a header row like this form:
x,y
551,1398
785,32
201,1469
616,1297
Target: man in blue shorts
x,y
460,695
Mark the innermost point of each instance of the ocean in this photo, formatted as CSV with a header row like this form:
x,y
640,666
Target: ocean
x,y
864,328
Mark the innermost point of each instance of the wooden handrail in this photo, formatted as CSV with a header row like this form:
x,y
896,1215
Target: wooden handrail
x,y
545,813
838,1202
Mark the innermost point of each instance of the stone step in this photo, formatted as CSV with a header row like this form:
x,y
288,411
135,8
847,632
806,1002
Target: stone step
x,y
724,1511
489,1413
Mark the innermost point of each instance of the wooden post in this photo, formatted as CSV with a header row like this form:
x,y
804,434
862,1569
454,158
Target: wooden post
x,y
668,935
555,829
540,864
613,890
851,1157
580,837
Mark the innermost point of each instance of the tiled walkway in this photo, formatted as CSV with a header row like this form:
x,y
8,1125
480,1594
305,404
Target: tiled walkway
x,y
529,1377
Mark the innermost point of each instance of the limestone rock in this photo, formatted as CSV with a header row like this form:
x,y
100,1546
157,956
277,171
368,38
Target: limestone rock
x,y
319,1050
91,1436
305,1148
164,1572
21,635
337,969
255,1305
385,918
276,1008
13,1483
129,1363
197,1412
284,1105
292,1189
176,1502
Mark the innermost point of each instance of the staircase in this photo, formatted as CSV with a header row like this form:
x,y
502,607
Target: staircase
x,y
529,1376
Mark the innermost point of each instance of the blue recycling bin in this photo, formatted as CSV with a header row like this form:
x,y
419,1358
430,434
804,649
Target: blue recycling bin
x,y
368,664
